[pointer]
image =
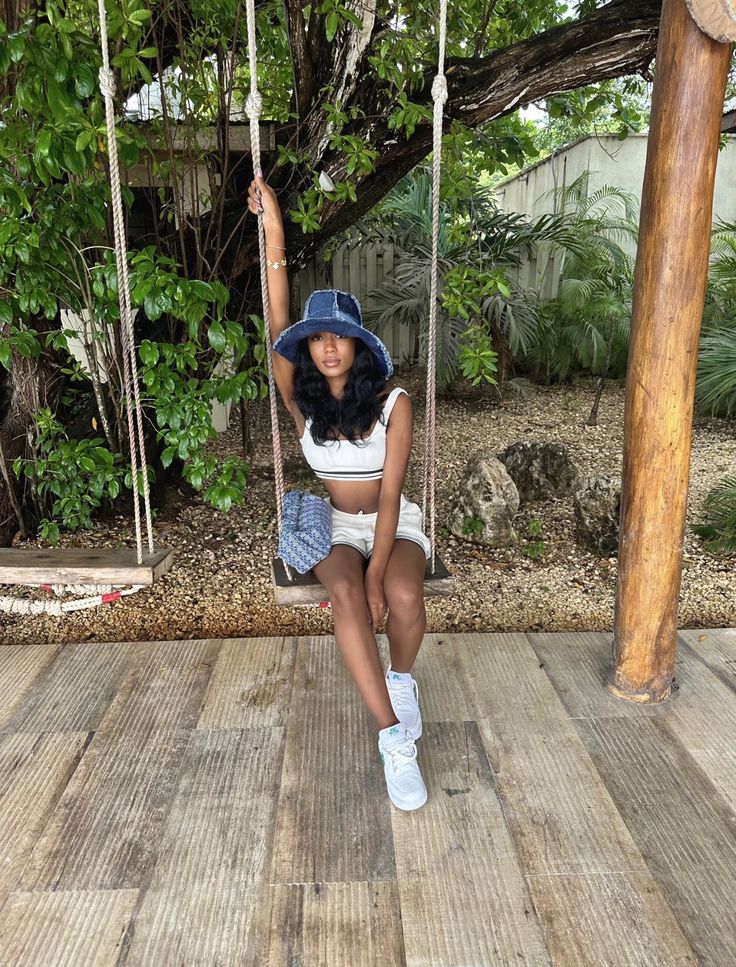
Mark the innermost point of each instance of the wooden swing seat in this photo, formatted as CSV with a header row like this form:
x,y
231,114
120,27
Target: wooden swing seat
x,y
82,565
306,589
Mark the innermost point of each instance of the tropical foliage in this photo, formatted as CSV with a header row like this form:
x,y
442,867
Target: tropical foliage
x,y
718,528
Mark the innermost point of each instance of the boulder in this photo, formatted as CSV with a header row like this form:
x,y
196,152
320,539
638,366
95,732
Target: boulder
x,y
597,506
540,470
484,506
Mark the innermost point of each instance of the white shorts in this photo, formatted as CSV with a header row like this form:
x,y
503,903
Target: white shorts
x,y
359,530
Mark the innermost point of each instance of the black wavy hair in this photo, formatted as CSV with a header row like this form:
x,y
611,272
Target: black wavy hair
x,y
355,412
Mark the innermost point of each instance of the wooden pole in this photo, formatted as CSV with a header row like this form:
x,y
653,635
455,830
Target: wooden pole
x,y
669,290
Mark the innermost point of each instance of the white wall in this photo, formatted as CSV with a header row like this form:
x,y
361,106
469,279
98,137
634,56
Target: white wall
x,y
609,162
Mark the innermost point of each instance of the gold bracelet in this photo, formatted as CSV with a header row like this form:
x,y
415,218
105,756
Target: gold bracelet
x,y
281,248
276,265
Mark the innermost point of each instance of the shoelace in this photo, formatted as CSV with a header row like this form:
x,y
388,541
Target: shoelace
x,y
404,695
402,756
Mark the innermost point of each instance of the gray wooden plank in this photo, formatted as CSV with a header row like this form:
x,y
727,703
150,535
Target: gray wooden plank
x,y
20,667
557,807
464,899
34,770
76,690
681,825
65,929
333,822
163,687
103,831
704,720
717,648
332,923
701,712
250,686
577,664
199,904
639,931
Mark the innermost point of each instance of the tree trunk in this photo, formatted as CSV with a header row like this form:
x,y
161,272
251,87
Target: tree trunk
x,y
669,290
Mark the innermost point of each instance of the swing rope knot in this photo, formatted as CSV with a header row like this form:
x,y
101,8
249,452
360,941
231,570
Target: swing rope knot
x,y
439,89
107,82
254,105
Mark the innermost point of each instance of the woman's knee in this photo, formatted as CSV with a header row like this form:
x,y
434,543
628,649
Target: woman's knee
x,y
405,601
346,593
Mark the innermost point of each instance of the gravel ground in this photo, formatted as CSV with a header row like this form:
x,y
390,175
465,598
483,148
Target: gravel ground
x,y
220,583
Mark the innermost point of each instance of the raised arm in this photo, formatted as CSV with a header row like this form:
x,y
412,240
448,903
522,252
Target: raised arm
x,y
261,199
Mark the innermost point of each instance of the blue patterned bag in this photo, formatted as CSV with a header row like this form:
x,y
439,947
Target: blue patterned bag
x,y
306,530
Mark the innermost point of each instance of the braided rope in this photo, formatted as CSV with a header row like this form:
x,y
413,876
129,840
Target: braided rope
x,y
25,606
439,96
130,365
253,106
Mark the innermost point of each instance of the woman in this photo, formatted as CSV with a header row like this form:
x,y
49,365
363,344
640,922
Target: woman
x,y
332,375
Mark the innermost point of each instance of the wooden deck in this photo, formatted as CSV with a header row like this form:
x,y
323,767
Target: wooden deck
x,y
222,803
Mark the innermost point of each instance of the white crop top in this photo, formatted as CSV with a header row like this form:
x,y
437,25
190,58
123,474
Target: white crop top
x,y
343,460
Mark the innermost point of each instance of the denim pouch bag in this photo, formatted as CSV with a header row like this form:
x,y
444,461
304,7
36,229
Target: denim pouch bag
x,y
306,530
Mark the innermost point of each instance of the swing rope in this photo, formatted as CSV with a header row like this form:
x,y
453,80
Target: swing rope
x,y
253,107
254,104
439,96
95,595
130,363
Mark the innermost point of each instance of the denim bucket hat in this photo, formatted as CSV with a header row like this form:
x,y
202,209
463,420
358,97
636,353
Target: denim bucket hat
x,y
329,310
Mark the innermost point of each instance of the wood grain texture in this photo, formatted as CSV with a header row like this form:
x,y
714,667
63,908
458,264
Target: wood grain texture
x,y
577,664
560,814
717,648
464,899
685,831
76,690
20,667
34,771
102,833
199,905
311,924
701,712
611,919
666,315
250,686
65,929
82,565
333,822
163,688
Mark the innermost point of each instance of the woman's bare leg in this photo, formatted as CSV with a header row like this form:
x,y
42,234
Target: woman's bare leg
x,y
341,573
403,585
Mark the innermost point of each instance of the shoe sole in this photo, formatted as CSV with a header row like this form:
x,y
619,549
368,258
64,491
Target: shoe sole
x,y
407,808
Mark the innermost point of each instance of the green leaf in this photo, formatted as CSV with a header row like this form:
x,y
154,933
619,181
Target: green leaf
x,y
43,142
59,100
332,24
217,338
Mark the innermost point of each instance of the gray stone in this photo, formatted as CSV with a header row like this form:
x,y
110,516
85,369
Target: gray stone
x,y
483,508
540,470
597,508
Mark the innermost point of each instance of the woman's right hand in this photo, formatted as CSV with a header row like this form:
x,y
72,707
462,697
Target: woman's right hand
x,y
262,199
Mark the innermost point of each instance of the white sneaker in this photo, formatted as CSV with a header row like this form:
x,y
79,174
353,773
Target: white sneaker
x,y
406,787
404,697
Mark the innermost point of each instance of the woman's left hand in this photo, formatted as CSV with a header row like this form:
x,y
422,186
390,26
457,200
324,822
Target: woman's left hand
x,y
377,606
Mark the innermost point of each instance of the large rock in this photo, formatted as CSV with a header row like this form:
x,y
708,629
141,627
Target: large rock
x,y
597,509
483,508
540,470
